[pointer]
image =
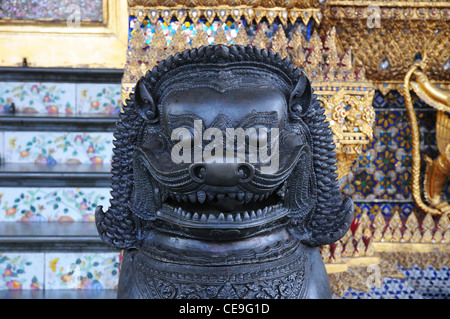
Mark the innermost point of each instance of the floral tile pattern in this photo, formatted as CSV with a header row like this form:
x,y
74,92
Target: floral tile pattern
x,y
81,271
99,98
51,204
55,147
60,98
55,271
29,97
24,271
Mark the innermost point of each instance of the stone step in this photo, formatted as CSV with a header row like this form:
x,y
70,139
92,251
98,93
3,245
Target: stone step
x,y
50,236
54,175
60,75
59,294
19,122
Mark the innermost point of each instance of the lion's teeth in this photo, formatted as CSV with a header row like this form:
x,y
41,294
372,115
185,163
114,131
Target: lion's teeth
x,y
232,195
201,196
248,197
220,196
246,216
240,195
204,218
238,218
211,218
193,197
221,217
195,216
252,214
210,195
259,213
230,218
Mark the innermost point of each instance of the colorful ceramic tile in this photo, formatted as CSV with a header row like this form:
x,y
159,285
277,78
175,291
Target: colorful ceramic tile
x,y
384,168
96,98
391,288
56,147
43,98
88,271
430,282
21,271
51,204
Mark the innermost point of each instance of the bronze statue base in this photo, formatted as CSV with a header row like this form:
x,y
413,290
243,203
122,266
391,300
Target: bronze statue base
x,y
267,266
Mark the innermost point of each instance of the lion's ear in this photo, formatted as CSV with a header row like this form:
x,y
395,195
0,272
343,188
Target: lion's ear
x,y
144,102
300,98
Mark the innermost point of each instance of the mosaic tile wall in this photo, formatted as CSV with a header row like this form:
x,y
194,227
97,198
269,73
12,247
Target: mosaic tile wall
x,y
51,10
60,98
428,283
380,178
230,29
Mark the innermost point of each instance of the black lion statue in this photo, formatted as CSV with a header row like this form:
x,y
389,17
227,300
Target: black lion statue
x,y
223,180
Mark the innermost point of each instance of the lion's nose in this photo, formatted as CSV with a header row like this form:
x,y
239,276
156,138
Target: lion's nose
x,y
222,174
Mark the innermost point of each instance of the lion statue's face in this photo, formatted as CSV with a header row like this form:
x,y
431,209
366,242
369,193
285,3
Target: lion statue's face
x,y
222,143
221,158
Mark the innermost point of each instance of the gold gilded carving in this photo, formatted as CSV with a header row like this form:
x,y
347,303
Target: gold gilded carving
x,y
241,38
437,170
179,42
351,119
232,3
220,37
388,49
280,42
200,38
224,11
261,39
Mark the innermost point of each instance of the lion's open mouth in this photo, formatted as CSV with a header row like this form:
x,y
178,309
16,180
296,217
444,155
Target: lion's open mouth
x,y
235,209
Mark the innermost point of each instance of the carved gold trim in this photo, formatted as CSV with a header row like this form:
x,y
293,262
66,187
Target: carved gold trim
x,y
411,247
232,3
224,12
389,3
